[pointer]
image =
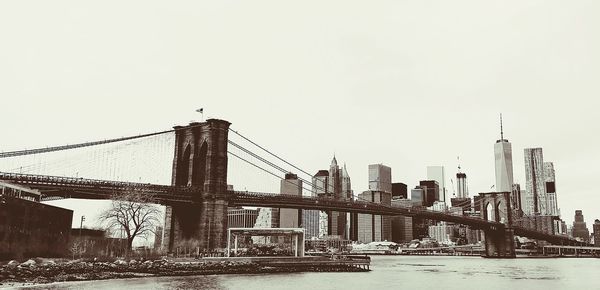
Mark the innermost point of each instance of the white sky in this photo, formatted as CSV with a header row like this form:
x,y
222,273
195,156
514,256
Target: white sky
x,y
404,83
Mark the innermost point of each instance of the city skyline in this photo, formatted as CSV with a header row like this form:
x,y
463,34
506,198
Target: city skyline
x,y
321,72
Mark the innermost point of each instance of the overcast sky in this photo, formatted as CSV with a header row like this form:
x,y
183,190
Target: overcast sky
x,y
404,83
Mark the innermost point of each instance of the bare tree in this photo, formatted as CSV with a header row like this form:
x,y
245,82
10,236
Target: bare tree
x,y
133,213
77,248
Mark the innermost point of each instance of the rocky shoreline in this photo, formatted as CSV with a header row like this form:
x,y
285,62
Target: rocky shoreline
x,y
49,271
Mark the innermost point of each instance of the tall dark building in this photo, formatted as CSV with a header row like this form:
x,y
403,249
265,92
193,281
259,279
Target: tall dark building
x,y
431,191
580,229
516,196
399,190
597,233
402,226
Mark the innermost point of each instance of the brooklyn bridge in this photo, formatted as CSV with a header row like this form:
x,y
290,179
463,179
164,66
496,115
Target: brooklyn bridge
x,y
198,197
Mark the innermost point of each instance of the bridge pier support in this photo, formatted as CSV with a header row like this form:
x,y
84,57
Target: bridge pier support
x,y
200,162
499,243
500,239
202,226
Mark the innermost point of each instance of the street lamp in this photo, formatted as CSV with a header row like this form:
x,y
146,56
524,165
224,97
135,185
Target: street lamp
x,y
81,225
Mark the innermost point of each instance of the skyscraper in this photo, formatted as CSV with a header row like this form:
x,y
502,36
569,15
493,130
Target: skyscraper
x,y
461,200
348,194
580,230
402,227
535,182
431,191
336,221
399,190
417,196
346,184
437,173
373,228
552,202
320,183
320,188
311,218
335,184
461,185
516,197
335,181
596,228
291,185
504,167
380,178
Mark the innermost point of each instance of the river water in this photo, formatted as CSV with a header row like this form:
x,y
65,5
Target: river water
x,y
391,272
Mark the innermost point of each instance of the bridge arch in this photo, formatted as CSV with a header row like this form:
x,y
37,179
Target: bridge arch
x,y
183,166
500,210
488,212
199,164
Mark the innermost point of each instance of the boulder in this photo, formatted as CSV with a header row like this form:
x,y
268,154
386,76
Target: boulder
x,y
12,264
120,262
133,262
48,263
28,263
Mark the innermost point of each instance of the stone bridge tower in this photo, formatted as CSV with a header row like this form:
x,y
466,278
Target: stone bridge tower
x,y
200,161
499,240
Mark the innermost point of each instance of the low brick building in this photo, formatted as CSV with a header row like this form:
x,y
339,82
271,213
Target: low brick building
x,y
95,243
32,229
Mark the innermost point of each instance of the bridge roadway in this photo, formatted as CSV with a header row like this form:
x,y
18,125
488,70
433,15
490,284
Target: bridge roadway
x,y
58,187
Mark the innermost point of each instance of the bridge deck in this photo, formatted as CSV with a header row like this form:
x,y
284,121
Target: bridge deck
x,y
53,187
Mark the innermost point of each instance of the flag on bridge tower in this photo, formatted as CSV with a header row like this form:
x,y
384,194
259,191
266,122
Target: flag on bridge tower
x,y
201,111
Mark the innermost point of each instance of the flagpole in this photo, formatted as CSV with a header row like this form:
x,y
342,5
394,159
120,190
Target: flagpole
x,y
201,111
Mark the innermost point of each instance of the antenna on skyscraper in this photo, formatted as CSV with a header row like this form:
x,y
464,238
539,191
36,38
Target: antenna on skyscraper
x,y
458,160
501,129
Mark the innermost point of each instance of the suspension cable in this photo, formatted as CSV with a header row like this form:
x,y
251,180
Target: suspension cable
x,y
265,170
271,153
286,162
314,185
267,162
73,146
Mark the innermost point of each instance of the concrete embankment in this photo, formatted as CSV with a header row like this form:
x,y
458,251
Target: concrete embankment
x,y
49,271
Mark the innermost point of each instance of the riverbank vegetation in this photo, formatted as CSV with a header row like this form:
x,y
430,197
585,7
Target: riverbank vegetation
x,y
39,271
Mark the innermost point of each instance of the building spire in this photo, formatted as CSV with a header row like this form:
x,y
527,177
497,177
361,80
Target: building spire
x,y
501,129
334,161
